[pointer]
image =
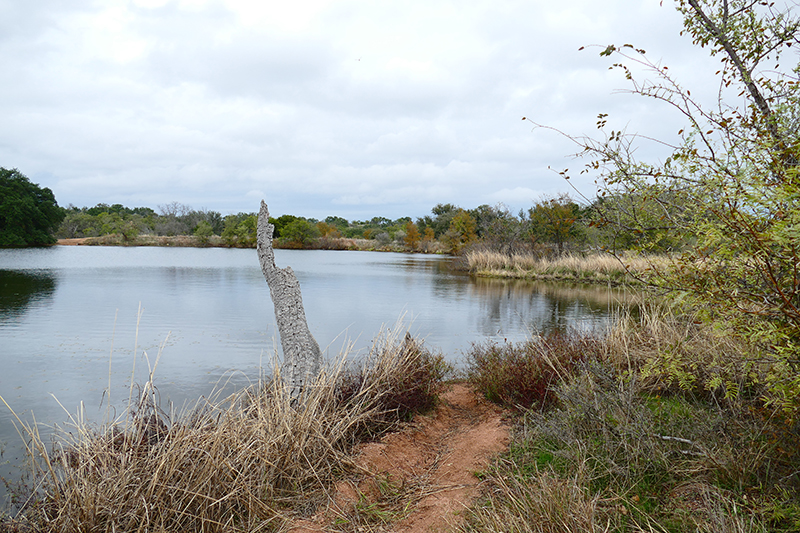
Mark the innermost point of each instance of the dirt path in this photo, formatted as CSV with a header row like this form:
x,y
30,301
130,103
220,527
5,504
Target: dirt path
x,y
422,477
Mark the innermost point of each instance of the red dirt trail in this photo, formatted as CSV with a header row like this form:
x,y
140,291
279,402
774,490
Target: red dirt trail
x,y
434,459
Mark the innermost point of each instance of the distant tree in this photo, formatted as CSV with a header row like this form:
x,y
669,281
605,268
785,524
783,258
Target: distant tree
x,y
78,224
499,229
339,222
240,230
328,230
428,238
174,209
191,220
29,214
144,212
204,231
214,219
381,222
129,228
171,226
440,222
553,221
96,210
412,237
461,232
299,233
280,223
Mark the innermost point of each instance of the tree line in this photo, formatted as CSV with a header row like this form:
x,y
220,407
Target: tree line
x,y
30,215
553,226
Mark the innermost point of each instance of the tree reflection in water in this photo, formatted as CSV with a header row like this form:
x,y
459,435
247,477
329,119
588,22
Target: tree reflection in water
x,y
19,289
541,306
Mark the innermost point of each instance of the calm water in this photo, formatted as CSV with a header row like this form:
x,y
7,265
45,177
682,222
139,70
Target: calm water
x,y
76,322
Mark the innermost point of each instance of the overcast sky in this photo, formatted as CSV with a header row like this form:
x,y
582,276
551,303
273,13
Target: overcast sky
x,y
354,108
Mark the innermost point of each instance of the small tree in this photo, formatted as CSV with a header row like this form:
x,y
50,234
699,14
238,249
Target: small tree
x,y
461,232
412,237
328,230
553,221
299,233
76,224
499,230
204,231
440,222
240,230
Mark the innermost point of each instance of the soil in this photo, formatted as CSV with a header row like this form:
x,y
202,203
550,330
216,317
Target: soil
x,y
419,479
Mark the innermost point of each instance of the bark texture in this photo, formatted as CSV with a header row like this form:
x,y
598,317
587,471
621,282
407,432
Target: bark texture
x,y
302,357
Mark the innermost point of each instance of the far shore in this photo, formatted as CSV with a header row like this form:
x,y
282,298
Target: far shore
x,y
72,242
215,241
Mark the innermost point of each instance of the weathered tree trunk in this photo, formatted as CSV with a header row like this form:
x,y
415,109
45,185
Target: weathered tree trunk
x,y
302,358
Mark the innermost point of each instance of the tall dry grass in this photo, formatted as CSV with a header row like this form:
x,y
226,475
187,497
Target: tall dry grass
x,y
243,463
671,348
597,267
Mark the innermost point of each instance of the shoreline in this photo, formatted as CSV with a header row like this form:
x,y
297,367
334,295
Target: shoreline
x,y
215,241
72,242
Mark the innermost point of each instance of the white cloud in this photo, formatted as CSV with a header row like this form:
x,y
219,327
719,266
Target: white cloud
x,y
320,106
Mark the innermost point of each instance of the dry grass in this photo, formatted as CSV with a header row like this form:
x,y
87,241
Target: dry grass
x,y
610,458
546,503
598,267
244,463
673,349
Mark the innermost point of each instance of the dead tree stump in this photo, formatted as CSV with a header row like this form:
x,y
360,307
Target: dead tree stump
x,y
302,358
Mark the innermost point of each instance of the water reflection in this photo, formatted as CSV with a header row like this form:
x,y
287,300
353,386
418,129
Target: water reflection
x,y
515,305
21,289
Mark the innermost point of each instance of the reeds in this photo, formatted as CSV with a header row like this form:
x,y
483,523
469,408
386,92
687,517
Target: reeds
x,y
246,462
596,267
673,349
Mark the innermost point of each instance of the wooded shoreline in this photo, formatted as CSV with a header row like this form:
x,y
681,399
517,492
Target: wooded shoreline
x,y
192,241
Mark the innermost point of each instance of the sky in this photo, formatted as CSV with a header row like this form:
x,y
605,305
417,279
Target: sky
x,y
351,108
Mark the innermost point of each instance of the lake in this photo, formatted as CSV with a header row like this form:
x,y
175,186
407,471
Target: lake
x,y
79,324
